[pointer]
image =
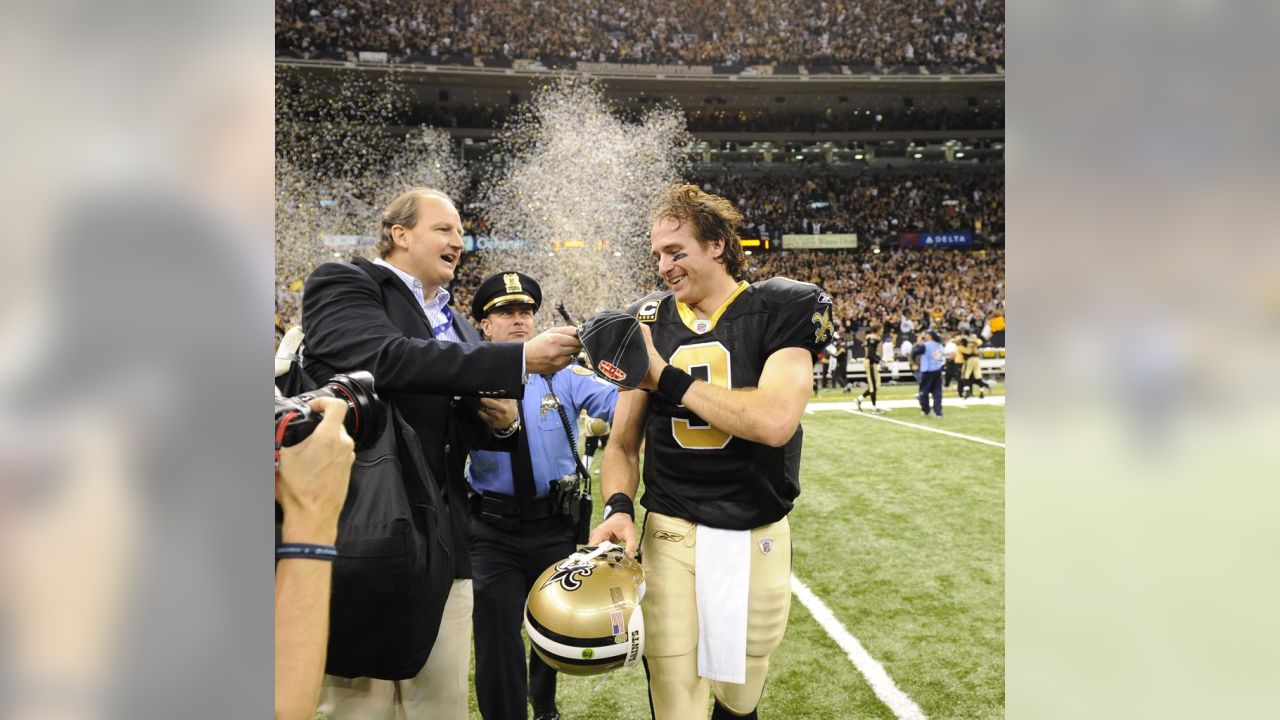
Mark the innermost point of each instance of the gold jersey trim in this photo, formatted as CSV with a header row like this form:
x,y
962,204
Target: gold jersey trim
x,y
688,318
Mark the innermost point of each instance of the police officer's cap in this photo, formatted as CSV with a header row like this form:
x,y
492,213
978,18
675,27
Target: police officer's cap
x,y
505,288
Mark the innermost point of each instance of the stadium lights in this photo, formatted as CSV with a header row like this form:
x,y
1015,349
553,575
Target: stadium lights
x,y
959,154
858,156
918,156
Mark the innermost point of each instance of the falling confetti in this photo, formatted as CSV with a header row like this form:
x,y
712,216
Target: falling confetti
x,y
339,161
566,193
573,185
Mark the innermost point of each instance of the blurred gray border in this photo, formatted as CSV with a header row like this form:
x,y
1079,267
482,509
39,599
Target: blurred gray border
x,y
1144,305
1144,313
135,462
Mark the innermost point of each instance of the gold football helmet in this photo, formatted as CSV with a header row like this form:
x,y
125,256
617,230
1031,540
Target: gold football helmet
x,y
583,614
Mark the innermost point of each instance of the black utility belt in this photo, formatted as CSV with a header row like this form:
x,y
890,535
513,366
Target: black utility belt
x,y
504,511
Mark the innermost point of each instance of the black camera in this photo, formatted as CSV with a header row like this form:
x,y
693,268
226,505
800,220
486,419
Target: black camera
x,y
570,499
366,417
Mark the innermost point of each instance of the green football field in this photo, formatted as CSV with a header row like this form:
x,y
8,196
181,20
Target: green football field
x,y
899,531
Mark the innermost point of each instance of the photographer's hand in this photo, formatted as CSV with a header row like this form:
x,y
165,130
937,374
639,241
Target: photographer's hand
x,y
312,483
311,487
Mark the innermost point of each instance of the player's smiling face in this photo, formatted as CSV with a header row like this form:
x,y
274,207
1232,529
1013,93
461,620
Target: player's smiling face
x,y
689,269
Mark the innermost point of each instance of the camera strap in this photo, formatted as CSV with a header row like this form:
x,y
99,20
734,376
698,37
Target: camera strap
x,y
568,433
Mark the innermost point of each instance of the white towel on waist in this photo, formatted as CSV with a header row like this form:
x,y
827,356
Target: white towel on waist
x,y
723,579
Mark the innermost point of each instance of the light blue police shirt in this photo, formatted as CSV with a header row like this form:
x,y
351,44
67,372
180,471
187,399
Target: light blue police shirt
x,y
577,389
933,357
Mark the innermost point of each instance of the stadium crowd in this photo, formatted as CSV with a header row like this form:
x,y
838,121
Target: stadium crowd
x,y
842,118
877,206
947,35
935,288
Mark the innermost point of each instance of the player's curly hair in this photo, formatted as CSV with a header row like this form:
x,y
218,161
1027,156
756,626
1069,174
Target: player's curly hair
x,y
712,217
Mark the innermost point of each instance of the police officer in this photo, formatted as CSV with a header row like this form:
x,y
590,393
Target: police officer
x,y
516,533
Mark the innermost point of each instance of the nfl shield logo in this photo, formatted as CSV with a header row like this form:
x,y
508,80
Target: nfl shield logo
x,y
766,546
701,326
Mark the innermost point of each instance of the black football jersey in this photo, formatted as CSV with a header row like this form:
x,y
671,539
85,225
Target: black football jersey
x,y
872,348
695,471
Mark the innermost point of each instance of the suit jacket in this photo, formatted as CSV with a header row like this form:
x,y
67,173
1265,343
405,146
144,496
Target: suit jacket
x,y
360,316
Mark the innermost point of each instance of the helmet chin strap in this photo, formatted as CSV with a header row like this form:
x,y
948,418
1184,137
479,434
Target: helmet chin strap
x,y
580,558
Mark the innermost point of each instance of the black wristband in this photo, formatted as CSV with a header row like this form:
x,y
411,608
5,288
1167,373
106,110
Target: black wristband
x,y
673,384
306,551
619,503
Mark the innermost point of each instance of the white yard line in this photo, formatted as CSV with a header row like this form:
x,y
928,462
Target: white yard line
x,y
926,428
881,684
948,403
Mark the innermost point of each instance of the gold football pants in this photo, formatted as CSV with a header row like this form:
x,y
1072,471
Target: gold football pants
x,y
972,368
671,617
873,375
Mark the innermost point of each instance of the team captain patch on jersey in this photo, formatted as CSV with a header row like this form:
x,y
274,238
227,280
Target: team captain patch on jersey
x,y
693,470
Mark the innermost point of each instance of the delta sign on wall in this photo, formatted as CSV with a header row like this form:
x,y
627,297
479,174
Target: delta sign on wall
x,y
930,239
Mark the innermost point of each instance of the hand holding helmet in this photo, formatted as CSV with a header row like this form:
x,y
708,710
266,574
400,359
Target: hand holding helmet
x,y
583,614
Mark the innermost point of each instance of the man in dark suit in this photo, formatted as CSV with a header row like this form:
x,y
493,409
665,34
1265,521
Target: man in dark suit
x,y
392,318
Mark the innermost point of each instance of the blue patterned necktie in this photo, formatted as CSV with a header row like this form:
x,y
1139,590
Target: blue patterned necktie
x,y
448,320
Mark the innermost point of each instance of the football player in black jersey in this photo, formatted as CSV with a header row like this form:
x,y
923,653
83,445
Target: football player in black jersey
x,y
871,363
729,377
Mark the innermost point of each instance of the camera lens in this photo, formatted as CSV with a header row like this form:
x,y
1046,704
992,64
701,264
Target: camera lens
x,y
365,418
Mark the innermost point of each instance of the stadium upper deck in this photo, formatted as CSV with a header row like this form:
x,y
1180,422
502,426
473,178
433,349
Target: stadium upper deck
x,y
867,36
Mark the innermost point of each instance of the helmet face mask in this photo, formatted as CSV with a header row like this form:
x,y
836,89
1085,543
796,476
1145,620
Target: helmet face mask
x,y
583,614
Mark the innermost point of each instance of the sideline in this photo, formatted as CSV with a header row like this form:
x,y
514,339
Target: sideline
x,y
926,428
881,684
